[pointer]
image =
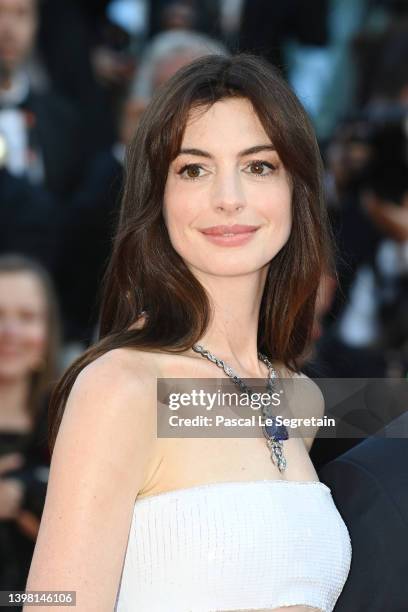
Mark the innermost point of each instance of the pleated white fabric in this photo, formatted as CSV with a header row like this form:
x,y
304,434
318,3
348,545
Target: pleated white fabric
x,y
233,546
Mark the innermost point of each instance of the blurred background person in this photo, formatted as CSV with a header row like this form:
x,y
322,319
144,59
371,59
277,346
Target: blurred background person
x,y
29,343
365,331
68,33
200,15
90,50
40,151
367,172
36,127
165,54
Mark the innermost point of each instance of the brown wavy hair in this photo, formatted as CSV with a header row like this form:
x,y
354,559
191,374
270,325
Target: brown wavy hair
x,y
145,273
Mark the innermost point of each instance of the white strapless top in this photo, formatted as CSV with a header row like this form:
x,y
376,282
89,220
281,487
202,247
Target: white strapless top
x,y
235,546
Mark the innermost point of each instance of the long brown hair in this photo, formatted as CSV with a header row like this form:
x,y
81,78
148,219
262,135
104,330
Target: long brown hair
x,y
145,273
42,379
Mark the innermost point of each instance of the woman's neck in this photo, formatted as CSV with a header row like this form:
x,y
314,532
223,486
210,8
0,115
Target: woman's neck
x,y
233,331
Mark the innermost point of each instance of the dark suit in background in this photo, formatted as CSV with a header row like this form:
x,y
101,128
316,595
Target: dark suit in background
x,y
86,243
265,25
34,211
369,484
68,31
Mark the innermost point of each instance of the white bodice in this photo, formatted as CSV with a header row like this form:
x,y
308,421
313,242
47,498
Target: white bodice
x,y
235,546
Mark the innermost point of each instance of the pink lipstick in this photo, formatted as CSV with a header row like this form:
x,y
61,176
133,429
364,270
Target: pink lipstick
x,y
229,235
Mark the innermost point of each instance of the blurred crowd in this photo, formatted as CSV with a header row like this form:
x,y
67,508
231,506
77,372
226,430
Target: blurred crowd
x,y
75,76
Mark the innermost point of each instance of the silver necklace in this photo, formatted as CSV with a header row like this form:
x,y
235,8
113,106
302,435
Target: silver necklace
x,y
274,434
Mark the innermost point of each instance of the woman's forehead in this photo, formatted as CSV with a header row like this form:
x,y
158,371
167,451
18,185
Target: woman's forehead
x,y
227,121
21,286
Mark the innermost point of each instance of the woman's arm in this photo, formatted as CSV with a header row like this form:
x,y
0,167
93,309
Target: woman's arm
x,y
100,461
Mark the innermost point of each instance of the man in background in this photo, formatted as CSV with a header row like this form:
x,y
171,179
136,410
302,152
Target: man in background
x,y
39,146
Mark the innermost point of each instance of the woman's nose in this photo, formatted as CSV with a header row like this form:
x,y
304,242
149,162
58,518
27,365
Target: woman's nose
x,y
228,193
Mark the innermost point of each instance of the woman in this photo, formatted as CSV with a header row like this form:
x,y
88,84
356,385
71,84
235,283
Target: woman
x,y
216,524
28,346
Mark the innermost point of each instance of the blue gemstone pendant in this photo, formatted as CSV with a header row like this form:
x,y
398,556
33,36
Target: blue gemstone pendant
x,y
278,432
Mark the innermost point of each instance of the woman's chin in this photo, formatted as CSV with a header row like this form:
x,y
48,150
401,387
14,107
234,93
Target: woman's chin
x,y
228,268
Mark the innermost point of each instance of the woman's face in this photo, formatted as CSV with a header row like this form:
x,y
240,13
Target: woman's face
x,y
227,173
23,325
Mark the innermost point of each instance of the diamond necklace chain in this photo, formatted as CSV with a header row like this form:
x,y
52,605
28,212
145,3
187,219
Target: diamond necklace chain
x,y
274,434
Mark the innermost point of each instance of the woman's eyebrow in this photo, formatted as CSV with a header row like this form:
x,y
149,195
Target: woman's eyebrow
x,y
250,151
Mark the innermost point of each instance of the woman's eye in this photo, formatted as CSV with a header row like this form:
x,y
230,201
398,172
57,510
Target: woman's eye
x,y
190,171
261,168
257,168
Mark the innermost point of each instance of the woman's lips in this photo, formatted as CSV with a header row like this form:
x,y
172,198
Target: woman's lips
x,y
234,235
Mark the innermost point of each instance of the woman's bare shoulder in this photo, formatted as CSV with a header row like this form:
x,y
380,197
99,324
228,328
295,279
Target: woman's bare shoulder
x,y
116,391
124,359
122,369
114,399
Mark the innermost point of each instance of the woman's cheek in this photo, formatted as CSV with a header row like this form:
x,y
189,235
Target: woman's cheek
x,y
177,216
